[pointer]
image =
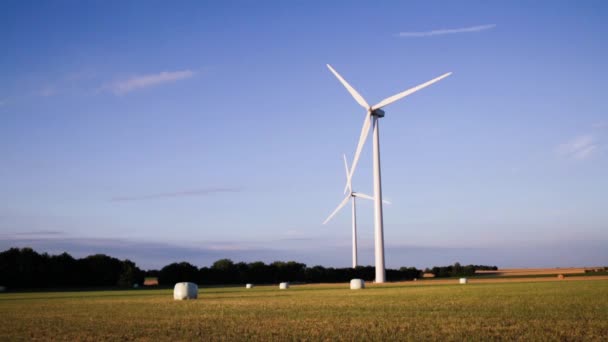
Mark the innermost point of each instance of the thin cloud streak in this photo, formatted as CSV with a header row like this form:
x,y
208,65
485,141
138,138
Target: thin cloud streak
x,y
149,255
37,234
599,125
579,148
478,28
145,81
40,232
185,193
48,91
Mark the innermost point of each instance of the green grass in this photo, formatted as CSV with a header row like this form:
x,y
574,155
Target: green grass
x,y
560,310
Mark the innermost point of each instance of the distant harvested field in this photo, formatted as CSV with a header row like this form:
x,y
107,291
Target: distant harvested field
x,y
535,271
479,280
528,279
505,310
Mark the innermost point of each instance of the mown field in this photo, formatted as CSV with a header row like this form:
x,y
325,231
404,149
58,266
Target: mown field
x,y
555,310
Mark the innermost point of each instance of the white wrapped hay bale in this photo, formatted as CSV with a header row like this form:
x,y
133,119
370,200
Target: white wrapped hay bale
x,y
464,280
185,290
283,286
249,286
357,284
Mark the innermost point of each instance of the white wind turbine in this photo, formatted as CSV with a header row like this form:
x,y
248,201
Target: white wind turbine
x,y
374,113
351,195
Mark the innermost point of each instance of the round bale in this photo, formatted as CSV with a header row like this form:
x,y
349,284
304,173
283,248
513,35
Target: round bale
x,y
249,286
464,280
185,290
283,286
357,284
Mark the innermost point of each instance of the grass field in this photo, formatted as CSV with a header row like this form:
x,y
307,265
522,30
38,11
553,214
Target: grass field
x,y
549,310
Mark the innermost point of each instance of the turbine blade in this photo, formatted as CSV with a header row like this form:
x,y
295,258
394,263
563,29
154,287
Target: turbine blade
x,y
362,138
362,195
348,187
401,95
340,206
345,164
360,100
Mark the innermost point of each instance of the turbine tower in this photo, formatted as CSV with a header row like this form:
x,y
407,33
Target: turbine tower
x,y
373,113
351,196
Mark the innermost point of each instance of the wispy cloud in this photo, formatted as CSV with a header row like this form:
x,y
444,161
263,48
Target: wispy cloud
x,y
185,193
579,148
65,84
48,91
146,254
601,124
40,232
144,81
149,254
295,235
80,75
36,234
447,31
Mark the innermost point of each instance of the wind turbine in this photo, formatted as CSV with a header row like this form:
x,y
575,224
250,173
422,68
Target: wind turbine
x,y
373,113
351,196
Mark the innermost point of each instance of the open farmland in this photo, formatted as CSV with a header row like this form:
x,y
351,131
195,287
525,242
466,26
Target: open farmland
x,y
564,310
536,271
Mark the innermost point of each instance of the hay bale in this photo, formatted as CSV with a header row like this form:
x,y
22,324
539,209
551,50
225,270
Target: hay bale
x,y
560,276
249,286
464,280
185,290
283,286
357,284
136,286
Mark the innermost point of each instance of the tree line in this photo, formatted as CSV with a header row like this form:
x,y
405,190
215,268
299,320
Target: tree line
x,y
26,269
225,271
458,270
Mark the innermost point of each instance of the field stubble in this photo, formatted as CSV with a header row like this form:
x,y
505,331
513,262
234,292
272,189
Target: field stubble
x,y
572,310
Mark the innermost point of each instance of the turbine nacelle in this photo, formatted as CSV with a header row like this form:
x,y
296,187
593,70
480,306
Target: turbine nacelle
x,y
378,112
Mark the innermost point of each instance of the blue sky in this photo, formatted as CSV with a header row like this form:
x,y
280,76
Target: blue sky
x,y
163,132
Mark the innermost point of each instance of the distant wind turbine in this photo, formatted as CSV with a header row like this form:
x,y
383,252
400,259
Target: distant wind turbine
x,y
351,195
373,113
